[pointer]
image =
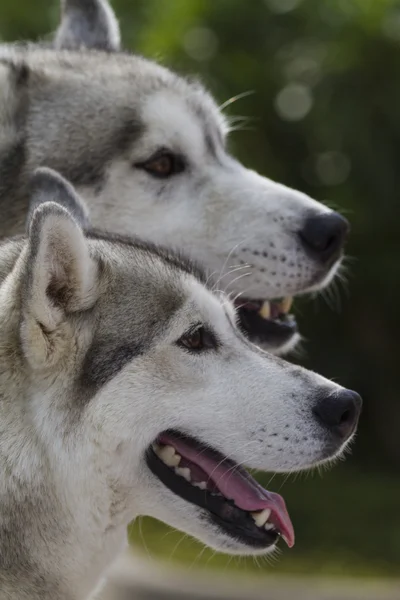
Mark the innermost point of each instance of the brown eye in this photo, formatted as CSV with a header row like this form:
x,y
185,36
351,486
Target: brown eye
x,y
198,339
163,165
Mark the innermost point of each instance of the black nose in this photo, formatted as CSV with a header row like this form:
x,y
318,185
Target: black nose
x,y
339,412
323,236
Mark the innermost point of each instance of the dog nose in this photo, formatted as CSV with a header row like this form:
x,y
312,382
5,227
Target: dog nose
x,y
323,236
339,412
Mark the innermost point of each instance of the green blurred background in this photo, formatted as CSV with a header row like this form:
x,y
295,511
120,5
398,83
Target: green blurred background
x,y
324,118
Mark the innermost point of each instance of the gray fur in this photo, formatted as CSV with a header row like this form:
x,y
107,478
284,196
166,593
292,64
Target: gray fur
x,y
113,345
108,124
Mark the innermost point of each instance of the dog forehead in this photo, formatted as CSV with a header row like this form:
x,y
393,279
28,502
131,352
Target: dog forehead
x,y
145,285
139,265
168,287
132,96
185,118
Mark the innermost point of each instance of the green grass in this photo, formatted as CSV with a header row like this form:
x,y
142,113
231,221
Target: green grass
x,y
347,524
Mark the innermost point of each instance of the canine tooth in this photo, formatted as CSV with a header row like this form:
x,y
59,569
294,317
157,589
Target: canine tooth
x,y
175,460
183,472
167,455
265,310
167,451
261,517
268,526
286,304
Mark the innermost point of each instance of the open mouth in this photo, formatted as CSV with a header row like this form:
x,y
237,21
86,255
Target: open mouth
x,y
232,498
267,322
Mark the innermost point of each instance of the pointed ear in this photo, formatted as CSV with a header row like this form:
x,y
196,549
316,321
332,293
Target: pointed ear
x,y
88,24
60,277
48,185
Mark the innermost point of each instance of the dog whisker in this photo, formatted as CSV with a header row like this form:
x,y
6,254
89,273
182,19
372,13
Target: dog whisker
x,y
175,548
149,555
239,268
237,279
235,99
227,259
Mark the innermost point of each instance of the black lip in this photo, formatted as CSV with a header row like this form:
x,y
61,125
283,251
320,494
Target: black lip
x,y
232,520
271,333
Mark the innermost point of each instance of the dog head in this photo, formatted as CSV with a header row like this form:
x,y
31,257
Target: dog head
x,y
141,387
148,149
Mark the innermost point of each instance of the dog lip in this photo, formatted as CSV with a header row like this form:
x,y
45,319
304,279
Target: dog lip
x,y
232,481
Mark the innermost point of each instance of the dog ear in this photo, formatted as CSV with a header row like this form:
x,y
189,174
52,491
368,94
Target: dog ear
x,y
88,24
60,277
46,185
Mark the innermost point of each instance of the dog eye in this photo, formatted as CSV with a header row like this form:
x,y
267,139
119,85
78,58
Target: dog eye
x,y
163,165
198,340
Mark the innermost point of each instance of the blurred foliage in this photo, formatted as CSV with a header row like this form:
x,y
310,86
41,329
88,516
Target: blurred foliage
x,y
324,118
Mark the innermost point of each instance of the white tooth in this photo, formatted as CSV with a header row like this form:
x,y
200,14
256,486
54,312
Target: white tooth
x,y
268,526
167,455
183,472
286,304
201,484
261,516
265,310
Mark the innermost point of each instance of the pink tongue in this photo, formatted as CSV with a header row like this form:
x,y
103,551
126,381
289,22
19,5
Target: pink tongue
x,y
236,484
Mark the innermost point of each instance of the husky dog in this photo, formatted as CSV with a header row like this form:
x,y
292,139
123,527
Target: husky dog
x,y
147,150
127,389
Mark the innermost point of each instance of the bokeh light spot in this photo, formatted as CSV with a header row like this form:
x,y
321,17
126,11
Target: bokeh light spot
x,y
332,168
282,6
294,102
200,43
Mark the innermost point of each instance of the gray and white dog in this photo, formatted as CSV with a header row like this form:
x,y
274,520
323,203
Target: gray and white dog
x,y
126,389
147,150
